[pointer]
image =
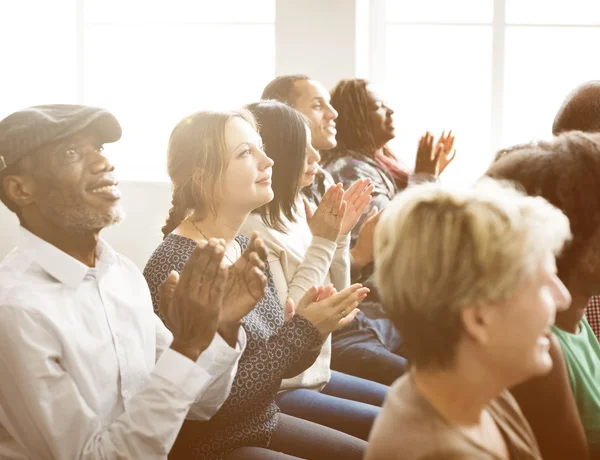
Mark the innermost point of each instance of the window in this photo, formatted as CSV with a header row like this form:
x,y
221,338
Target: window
x,y
154,62
37,71
551,47
150,62
495,71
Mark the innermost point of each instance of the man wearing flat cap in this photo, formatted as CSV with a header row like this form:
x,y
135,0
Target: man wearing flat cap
x,y
87,370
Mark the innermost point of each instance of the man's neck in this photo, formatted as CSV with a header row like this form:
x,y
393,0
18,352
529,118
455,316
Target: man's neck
x,y
80,246
570,319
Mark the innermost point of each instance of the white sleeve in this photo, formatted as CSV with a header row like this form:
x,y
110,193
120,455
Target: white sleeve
x,y
44,412
340,266
313,269
219,360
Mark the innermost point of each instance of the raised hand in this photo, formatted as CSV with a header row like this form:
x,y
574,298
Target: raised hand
x,y
334,311
191,303
445,151
425,162
246,284
362,252
326,222
434,159
357,197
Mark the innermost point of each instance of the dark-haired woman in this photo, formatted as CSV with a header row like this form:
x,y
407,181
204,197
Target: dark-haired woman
x,y
304,249
220,174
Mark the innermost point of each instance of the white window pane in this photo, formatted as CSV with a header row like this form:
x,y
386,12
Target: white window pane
x,y
443,83
152,76
553,11
38,54
469,11
177,11
542,66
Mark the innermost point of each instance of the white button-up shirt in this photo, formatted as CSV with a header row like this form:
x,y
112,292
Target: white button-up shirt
x,y
85,368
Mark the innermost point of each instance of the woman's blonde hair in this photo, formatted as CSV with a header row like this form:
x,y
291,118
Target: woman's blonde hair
x,y
198,142
439,250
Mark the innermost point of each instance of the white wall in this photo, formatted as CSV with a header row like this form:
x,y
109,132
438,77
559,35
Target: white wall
x,y
317,38
314,37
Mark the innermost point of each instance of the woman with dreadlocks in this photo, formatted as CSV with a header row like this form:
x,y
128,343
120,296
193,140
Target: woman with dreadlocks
x,y
364,128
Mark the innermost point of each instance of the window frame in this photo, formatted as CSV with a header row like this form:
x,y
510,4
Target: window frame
x,y
499,26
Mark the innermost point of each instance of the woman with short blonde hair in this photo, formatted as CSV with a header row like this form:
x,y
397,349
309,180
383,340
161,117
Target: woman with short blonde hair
x,y
469,278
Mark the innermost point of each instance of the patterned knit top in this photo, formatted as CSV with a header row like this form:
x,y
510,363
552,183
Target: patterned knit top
x,y
274,350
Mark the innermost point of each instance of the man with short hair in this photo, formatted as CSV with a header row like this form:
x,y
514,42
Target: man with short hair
x,y
370,346
88,370
580,111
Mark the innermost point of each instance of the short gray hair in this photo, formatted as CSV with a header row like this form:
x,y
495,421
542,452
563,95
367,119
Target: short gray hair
x,y
439,250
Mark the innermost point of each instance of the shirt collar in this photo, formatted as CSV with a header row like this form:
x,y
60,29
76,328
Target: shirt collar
x,y
59,264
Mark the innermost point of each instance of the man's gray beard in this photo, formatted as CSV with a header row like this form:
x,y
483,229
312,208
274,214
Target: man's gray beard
x,y
76,216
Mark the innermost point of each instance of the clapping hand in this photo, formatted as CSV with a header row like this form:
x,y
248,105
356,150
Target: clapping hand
x,y
357,197
191,303
326,221
434,159
246,283
327,309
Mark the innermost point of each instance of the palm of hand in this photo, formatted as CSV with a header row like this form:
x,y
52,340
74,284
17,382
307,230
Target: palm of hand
x,y
446,153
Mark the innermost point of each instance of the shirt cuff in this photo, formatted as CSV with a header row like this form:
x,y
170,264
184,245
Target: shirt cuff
x,y
220,356
344,240
324,243
183,373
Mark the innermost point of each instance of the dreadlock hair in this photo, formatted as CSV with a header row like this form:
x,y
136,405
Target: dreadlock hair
x,y
282,89
196,161
566,172
350,98
283,131
580,111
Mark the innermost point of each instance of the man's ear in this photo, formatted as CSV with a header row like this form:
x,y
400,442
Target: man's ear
x,y
19,188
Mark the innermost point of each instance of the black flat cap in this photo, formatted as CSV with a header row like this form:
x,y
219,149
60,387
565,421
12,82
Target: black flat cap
x,y
27,130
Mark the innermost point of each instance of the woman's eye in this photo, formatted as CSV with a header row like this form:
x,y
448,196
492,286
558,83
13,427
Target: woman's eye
x,y
245,153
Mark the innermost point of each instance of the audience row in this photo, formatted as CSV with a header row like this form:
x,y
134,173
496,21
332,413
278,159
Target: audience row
x,y
313,296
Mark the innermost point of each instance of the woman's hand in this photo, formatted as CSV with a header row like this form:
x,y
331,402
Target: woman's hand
x,y
326,222
357,197
327,309
446,151
433,160
362,252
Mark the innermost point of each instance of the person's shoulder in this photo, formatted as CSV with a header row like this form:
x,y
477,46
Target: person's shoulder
x,y
20,278
505,406
345,159
424,434
351,166
171,254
